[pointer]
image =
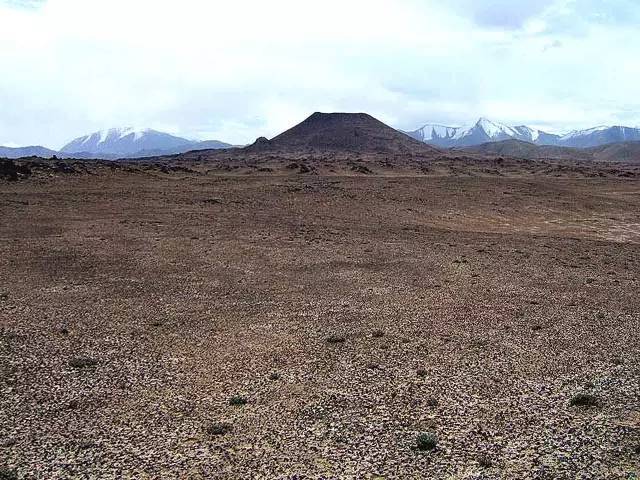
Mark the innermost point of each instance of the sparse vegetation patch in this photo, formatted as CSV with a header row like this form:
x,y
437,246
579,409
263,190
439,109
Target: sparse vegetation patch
x,y
432,402
426,441
219,428
83,362
238,400
336,339
583,400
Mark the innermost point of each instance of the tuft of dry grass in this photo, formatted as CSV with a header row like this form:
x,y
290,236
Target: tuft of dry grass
x,y
335,339
219,428
83,362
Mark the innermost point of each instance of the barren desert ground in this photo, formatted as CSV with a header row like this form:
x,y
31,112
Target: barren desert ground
x,y
196,326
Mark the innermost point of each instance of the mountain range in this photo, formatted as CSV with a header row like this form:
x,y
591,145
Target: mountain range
x,y
118,143
619,152
20,152
326,131
486,131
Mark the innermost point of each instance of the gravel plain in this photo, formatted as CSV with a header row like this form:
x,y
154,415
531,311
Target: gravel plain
x,y
196,326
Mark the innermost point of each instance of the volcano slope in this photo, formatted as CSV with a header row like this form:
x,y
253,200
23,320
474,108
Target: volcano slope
x,y
353,132
325,143
199,323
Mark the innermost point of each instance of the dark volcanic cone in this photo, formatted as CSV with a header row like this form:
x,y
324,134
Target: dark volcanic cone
x,y
346,132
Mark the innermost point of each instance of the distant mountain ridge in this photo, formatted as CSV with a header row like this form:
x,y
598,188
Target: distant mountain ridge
x,y
334,131
20,152
620,152
130,142
117,143
485,131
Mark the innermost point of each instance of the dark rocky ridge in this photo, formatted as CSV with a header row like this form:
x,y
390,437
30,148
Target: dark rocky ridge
x,y
625,152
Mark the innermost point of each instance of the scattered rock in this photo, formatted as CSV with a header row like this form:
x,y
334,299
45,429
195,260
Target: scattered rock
x,y
9,442
8,474
361,169
12,171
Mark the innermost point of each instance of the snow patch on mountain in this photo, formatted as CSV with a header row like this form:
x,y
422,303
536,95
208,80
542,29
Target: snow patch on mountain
x,y
495,130
485,130
433,131
129,141
582,133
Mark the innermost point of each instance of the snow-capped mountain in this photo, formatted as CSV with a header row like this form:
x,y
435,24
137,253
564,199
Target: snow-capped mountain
x,y
485,131
594,137
130,142
432,133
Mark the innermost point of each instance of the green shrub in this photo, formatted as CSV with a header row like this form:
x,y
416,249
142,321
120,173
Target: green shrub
x,y
583,400
237,401
427,441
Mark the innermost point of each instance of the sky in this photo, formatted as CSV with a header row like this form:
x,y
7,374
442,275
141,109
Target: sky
x,y
237,70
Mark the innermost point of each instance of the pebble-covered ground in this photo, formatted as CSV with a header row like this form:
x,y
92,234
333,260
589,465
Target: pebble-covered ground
x,y
308,327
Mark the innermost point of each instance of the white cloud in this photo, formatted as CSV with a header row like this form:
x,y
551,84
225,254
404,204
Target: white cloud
x,y
237,70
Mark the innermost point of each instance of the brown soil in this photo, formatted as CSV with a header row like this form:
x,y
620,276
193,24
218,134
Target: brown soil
x,y
352,310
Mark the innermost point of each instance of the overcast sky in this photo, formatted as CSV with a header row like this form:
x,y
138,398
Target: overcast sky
x,y
236,70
